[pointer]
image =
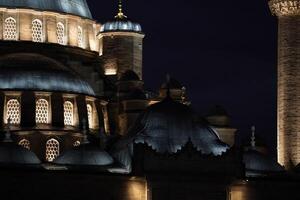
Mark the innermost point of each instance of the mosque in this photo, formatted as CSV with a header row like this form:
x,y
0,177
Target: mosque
x,y
78,123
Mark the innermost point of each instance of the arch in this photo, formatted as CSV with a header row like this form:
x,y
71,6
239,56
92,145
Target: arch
x,y
10,29
25,143
52,149
80,36
90,114
37,30
60,33
42,111
68,113
13,111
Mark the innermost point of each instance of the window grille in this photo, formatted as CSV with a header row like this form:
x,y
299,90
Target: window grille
x,y
42,111
76,144
52,150
25,143
90,114
37,31
13,111
80,37
60,33
10,29
68,113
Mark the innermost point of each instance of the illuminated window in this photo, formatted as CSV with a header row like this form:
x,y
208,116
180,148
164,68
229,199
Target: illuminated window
x,y
60,33
76,144
37,31
80,36
68,113
10,29
42,111
52,150
13,111
90,114
25,143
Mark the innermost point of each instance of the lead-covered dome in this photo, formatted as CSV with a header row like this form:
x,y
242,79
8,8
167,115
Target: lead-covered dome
x,y
167,126
258,164
121,23
75,7
38,73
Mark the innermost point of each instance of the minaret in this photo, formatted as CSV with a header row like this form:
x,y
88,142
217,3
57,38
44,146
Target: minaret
x,y
122,45
288,147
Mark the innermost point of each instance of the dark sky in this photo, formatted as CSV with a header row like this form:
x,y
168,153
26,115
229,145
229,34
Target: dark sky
x,y
224,52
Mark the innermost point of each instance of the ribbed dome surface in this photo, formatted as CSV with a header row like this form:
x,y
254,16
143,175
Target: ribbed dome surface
x,y
168,126
121,25
257,164
26,72
75,7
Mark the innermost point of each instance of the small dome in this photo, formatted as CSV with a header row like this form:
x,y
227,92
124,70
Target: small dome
x,y
85,155
258,164
129,75
217,111
167,126
75,7
121,25
11,153
34,72
171,83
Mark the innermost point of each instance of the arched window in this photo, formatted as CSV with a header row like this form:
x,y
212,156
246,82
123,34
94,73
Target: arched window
x,y
90,114
68,113
80,37
25,143
52,150
76,144
60,33
10,29
37,30
42,111
13,111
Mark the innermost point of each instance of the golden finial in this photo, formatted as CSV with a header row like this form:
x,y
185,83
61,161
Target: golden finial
x,y
120,14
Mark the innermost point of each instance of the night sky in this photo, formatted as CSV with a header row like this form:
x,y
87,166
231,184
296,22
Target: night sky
x,y
224,52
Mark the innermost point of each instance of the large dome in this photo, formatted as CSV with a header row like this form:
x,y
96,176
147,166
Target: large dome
x,y
75,7
33,72
168,126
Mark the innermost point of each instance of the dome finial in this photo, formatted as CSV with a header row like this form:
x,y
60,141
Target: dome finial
x,y
120,14
253,142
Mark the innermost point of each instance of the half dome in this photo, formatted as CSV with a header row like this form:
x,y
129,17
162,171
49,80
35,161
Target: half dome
x,y
28,72
75,7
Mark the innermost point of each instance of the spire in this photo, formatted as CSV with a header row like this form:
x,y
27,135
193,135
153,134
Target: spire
x,y
253,142
120,14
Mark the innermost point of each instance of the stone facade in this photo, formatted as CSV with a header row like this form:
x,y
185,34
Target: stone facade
x,y
122,51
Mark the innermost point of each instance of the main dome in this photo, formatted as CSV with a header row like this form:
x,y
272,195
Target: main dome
x,y
75,7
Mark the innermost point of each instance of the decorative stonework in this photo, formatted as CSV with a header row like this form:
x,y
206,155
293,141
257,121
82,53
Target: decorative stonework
x,y
49,27
285,7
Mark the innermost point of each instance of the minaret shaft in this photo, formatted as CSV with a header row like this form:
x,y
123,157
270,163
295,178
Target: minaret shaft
x,y
289,90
